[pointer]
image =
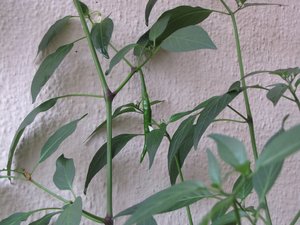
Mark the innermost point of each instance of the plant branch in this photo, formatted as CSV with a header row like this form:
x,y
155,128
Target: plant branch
x,y
267,89
237,214
237,112
229,120
296,218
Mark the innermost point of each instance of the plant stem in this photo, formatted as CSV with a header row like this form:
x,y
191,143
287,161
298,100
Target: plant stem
x,y
237,112
229,120
237,214
296,218
245,93
293,92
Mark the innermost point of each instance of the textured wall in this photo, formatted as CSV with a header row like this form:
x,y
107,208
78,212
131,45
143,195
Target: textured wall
x,y
270,40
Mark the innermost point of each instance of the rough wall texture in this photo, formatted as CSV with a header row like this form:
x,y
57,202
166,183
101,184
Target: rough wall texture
x,y
270,39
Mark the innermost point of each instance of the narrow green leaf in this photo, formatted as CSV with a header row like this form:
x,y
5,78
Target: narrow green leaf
x,y
45,220
242,187
101,35
149,7
26,122
16,218
153,141
64,174
214,107
214,169
71,214
287,73
99,159
84,8
158,28
188,39
149,221
47,68
170,199
233,152
52,32
57,138
276,93
119,56
280,147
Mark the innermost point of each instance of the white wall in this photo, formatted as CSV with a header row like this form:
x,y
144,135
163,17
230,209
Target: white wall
x,y
270,39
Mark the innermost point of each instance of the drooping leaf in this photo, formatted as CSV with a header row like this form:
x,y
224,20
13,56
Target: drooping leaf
x,y
242,187
149,221
149,7
16,218
101,35
158,28
170,199
153,141
99,159
45,220
47,68
84,8
71,214
64,174
297,82
286,73
119,56
214,169
57,138
280,147
188,39
233,152
26,122
52,32
276,93
214,107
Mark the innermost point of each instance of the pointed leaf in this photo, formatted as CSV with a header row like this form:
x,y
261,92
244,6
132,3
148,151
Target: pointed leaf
x,y
52,32
276,93
71,214
287,73
47,68
158,28
45,220
233,152
188,39
214,107
64,174
84,8
57,138
170,199
26,122
153,141
297,83
16,218
214,169
242,187
149,7
99,159
280,147
119,56
149,221
101,35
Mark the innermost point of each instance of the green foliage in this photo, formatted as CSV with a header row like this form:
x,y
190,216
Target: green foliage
x,y
64,174
45,220
71,215
276,93
84,8
150,221
149,7
16,218
214,170
242,187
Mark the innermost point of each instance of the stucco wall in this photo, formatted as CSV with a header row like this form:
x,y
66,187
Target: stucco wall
x,y
270,39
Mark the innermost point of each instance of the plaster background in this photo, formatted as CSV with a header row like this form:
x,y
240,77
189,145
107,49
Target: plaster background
x,y
270,39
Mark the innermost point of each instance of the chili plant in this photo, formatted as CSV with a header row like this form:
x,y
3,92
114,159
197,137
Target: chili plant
x,y
176,30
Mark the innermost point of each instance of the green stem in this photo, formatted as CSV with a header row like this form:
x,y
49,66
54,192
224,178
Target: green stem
x,y
293,92
245,93
237,214
296,218
237,112
109,158
79,39
124,58
229,120
43,209
247,214
80,95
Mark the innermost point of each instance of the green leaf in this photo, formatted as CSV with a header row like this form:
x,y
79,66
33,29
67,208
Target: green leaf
x,y
47,68
64,174
101,35
188,39
158,28
71,214
149,221
52,32
16,218
280,147
57,138
84,8
228,219
149,7
233,152
99,159
45,220
172,198
287,73
213,108
214,169
26,122
119,56
242,187
153,141
297,82
276,93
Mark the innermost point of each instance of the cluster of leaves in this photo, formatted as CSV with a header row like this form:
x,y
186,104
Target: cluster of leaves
x,y
176,30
